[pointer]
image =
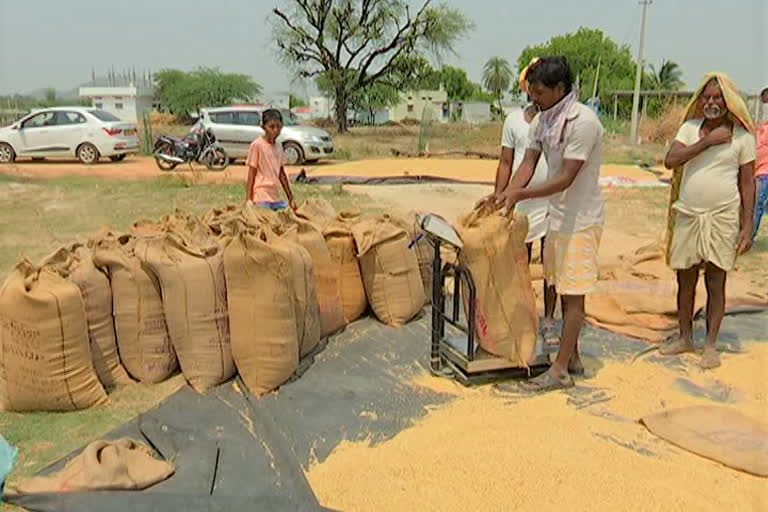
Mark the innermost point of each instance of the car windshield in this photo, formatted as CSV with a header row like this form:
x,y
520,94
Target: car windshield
x,y
104,116
288,118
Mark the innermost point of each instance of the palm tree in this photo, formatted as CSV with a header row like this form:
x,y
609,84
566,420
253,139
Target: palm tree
x,y
667,78
497,75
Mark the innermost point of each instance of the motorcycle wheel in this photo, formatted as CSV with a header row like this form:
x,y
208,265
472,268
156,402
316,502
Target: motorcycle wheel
x,y
216,159
166,148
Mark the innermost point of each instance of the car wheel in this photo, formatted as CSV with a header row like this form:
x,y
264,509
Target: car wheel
x,y
293,153
7,154
118,158
87,153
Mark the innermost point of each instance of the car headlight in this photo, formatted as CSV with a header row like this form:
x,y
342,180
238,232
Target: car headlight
x,y
312,138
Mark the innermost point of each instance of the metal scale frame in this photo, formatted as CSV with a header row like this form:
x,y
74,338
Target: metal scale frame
x,y
459,357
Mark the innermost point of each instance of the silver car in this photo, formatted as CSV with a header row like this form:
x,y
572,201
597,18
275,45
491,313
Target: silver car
x,y
237,126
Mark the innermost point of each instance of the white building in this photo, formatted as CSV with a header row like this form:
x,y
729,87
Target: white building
x,y
414,104
127,102
320,107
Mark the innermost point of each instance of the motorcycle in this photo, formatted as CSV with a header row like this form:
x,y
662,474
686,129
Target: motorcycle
x,y
199,146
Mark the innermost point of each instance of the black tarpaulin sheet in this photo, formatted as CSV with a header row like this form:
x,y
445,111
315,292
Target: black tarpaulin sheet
x,y
239,452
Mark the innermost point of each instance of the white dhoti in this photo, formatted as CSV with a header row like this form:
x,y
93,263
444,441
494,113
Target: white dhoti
x,y
705,235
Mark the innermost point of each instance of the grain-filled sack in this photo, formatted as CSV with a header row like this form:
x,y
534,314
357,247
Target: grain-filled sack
x,y
194,296
325,274
390,270
282,228
262,310
45,356
308,326
142,334
220,220
76,263
506,319
318,211
425,253
343,252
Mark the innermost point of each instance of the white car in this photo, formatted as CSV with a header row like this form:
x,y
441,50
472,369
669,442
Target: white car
x,y
86,133
236,127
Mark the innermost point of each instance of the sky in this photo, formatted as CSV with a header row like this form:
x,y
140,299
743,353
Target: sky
x,y
56,43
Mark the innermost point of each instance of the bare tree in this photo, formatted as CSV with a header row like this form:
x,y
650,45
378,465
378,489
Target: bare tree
x,y
355,43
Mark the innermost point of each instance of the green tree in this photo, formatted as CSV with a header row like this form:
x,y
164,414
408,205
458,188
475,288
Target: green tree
x,y
186,92
497,75
356,44
49,98
376,97
669,76
457,84
295,101
583,49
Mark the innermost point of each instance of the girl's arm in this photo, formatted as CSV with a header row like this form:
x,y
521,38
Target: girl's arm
x,y
287,188
249,183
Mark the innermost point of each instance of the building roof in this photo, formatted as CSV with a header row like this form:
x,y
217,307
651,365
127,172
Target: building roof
x,y
130,90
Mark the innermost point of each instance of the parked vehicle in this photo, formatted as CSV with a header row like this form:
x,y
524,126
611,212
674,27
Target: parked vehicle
x,y
199,146
237,126
85,133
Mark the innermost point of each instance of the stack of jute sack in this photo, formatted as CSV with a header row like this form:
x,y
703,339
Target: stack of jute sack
x,y
237,290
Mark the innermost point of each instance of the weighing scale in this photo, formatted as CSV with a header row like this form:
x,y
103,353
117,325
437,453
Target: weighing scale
x,y
453,352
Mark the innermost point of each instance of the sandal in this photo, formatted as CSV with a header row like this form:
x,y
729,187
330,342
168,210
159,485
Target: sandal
x,y
549,334
675,347
546,382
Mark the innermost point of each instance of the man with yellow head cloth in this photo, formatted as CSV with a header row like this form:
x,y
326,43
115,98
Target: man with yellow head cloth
x,y
712,205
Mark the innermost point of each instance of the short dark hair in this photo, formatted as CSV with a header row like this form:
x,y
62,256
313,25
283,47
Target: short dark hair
x,y
764,92
271,114
550,71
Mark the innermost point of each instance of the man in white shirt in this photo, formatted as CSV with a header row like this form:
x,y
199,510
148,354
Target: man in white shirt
x,y
514,142
570,136
713,214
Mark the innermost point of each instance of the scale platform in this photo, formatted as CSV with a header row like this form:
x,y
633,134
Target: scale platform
x,y
454,352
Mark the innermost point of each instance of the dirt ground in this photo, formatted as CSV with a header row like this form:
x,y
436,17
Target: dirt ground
x,y
141,167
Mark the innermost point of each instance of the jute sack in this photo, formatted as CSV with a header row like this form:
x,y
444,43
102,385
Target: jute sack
x,y
76,263
122,464
308,326
220,220
45,357
390,270
194,296
341,248
425,254
317,211
324,272
142,334
506,320
262,310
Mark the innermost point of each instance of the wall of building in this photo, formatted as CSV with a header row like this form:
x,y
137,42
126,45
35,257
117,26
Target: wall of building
x,y
127,103
412,106
320,107
476,112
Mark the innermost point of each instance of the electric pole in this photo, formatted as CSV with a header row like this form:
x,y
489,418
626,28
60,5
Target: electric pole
x,y
638,75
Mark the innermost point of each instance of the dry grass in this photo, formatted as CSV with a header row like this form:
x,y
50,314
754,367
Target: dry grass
x,y
664,128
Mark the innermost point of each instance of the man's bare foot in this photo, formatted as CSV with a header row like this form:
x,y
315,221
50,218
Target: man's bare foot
x,y
676,346
709,359
575,366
